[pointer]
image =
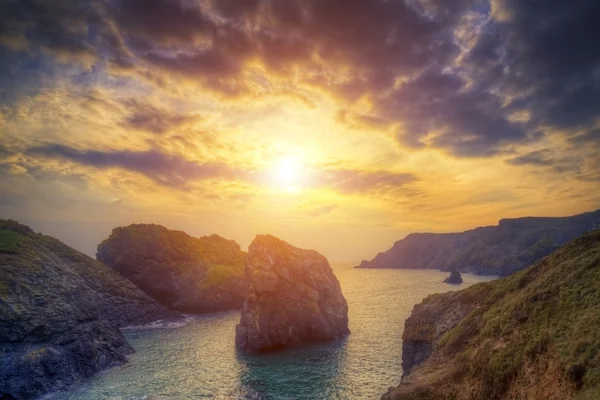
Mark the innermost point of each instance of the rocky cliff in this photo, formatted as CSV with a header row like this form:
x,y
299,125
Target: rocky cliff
x,y
293,298
186,273
533,335
59,313
492,250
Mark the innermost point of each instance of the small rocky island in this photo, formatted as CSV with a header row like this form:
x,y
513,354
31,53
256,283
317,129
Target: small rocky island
x,y
293,297
455,278
188,274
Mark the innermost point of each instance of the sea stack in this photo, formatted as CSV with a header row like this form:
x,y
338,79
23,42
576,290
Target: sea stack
x,y
293,297
455,278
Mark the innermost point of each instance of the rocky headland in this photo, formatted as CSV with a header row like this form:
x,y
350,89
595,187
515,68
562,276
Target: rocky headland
x,y
186,273
59,313
533,335
492,250
293,298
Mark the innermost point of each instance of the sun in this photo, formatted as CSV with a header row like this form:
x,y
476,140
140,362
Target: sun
x,y
288,173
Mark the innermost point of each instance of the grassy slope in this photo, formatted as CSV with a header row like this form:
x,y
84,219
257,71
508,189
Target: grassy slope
x,y
548,312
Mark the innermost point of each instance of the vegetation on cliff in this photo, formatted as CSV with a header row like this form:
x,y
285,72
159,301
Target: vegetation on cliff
x,y
532,335
186,273
492,250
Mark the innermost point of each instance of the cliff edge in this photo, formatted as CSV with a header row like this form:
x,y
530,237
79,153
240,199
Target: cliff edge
x,y
532,335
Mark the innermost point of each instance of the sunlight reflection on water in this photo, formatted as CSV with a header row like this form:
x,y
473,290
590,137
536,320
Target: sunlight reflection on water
x,y
199,360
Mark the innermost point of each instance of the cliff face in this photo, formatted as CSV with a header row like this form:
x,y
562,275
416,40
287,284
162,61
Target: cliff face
x,y
533,335
186,273
493,250
293,297
59,313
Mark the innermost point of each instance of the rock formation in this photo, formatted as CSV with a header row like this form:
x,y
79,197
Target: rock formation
x,y
186,273
491,250
455,278
293,298
533,335
59,313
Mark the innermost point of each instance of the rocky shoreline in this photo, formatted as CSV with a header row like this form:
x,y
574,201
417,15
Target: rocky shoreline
x,y
499,250
60,313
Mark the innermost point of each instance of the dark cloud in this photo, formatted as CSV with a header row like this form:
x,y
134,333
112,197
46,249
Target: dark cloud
x,y
466,122
164,22
352,181
450,75
538,157
545,58
590,137
58,26
178,172
550,159
144,116
166,169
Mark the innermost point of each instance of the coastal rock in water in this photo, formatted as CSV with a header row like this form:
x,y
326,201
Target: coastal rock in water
x,y
293,298
492,250
65,359
455,278
186,273
59,313
532,335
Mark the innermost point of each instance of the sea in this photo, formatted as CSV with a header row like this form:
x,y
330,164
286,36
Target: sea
x,y
196,358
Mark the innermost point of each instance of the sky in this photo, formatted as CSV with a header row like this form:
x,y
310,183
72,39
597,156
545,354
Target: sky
x,y
337,125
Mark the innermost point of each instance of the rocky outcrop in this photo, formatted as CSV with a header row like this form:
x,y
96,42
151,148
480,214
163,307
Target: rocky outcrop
x,y
38,368
455,278
532,335
186,273
59,313
293,298
493,250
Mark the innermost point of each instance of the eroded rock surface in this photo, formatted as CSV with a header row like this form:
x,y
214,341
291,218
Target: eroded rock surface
x,y
186,273
293,298
59,313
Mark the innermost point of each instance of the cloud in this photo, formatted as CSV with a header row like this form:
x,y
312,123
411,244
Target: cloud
x,y
165,169
549,158
352,181
322,210
145,116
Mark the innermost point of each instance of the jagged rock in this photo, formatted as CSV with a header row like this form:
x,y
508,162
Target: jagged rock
x,y
293,298
186,273
59,313
455,278
38,368
531,335
492,250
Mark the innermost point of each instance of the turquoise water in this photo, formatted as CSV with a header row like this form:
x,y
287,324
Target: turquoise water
x,y
197,359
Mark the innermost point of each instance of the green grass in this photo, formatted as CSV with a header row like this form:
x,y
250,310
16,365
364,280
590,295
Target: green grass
x,y
551,309
219,274
10,241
